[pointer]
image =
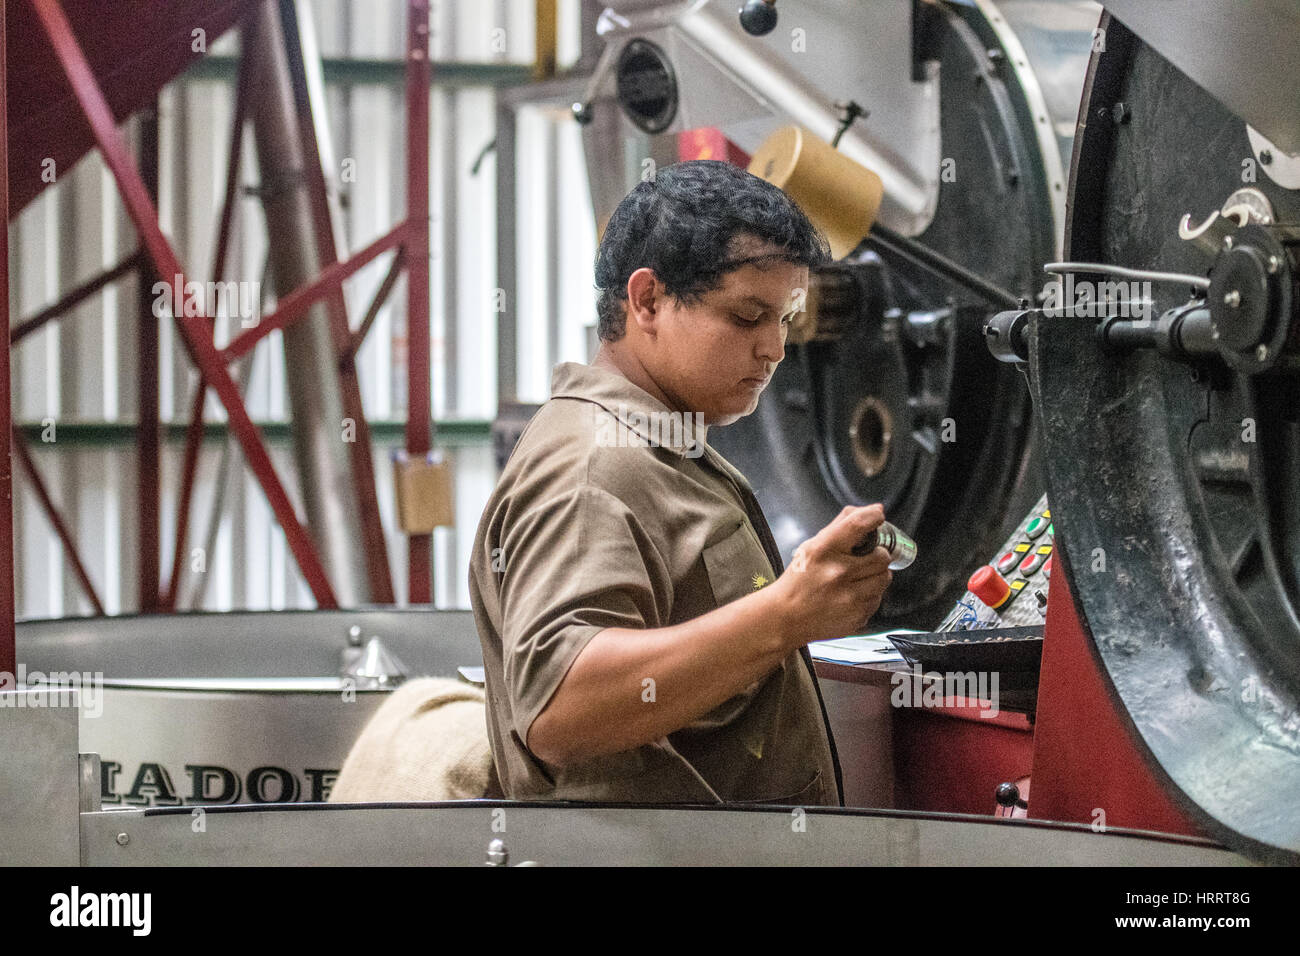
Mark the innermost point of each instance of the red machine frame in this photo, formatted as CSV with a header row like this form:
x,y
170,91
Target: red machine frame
x,y
408,240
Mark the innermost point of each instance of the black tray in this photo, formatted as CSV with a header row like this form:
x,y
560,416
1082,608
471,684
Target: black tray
x,y
995,649
1014,652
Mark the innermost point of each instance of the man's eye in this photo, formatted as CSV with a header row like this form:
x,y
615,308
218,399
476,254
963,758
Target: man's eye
x,y
742,320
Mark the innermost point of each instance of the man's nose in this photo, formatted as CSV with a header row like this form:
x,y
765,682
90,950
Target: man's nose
x,y
771,342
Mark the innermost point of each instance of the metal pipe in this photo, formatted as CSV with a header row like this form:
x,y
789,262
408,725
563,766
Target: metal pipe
x,y
311,357
327,213
508,252
1103,268
940,265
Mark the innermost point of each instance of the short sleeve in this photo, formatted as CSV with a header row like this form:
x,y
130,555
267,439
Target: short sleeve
x,y
572,567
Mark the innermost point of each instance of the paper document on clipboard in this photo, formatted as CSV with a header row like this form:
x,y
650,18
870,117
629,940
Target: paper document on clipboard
x,y
860,649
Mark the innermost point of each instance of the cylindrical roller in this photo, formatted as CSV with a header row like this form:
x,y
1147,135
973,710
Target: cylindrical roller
x,y
839,195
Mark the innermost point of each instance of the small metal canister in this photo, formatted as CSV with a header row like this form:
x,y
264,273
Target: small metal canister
x,y
901,548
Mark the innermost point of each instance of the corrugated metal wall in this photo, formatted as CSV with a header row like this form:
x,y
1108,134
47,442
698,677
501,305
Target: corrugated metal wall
x,y
77,377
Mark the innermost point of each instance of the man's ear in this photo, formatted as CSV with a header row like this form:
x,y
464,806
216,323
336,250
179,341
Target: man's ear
x,y
644,297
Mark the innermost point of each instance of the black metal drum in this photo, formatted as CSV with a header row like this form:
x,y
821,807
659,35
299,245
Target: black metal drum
x,y
1173,457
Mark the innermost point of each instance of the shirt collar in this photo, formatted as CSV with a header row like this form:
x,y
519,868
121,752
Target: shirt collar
x,y
683,433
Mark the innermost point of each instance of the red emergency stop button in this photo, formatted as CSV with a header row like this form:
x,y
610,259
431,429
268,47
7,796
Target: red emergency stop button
x,y
989,586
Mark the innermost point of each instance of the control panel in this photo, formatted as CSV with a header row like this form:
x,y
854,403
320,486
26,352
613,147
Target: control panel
x,y
1011,590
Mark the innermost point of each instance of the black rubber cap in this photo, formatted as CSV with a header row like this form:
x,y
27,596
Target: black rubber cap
x,y
758,18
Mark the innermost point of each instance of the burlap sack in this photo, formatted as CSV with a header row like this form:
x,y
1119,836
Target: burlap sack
x,y
428,741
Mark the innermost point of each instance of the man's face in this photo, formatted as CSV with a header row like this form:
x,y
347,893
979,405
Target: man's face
x,y
715,355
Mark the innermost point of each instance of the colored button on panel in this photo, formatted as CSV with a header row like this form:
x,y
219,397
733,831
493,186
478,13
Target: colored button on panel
x,y
1022,547
1036,527
989,586
1047,569
1007,563
1032,563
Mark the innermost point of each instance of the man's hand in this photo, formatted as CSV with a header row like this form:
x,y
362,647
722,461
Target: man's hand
x,y
827,591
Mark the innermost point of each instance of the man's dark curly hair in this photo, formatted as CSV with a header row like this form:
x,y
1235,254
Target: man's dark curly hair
x,y
681,224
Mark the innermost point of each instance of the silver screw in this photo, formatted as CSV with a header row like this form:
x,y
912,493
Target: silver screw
x,y
1232,299
123,839
1261,353
497,854
1227,242
1274,263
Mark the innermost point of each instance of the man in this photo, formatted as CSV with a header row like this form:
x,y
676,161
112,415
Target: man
x,y
638,642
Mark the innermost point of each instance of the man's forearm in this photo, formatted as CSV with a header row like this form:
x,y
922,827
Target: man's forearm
x,y
602,705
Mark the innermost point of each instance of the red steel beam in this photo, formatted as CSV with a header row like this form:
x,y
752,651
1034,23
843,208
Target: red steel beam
x,y
56,520
419,423
8,654
194,330
193,441
233,156
358,338
295,305
74,298
194,433
148,436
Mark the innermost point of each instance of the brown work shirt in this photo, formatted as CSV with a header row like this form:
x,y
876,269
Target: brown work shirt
x,y
614,512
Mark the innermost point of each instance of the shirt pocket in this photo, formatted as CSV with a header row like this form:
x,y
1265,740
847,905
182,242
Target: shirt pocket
x,y
736,566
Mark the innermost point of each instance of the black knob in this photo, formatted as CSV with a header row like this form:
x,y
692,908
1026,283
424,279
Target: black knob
x,y
1007,336
1008,795
758,17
